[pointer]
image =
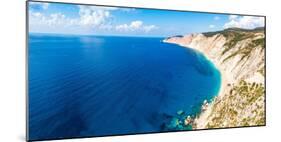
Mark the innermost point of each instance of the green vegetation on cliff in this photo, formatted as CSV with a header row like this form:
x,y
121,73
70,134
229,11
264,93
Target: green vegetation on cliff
x,y
233,38
227,32
234,110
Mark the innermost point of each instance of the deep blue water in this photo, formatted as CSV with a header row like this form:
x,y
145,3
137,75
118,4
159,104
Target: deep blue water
x,y
94,86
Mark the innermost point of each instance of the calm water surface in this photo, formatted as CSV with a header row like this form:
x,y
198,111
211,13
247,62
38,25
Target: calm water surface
x,y
94,86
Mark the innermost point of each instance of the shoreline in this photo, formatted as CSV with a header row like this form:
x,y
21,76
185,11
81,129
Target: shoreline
x,y
203,115
239,56
200,119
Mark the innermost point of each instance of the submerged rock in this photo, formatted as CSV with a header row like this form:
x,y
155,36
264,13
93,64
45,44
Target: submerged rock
x,y
205,105
188,120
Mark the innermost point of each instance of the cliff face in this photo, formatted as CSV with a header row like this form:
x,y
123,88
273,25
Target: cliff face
x,y
239,55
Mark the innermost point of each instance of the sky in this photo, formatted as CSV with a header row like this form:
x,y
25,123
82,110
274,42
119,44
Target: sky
x,y
58,18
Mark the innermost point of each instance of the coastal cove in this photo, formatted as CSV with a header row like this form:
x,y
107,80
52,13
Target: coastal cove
x,y
101,70
239,54
197,118
105,85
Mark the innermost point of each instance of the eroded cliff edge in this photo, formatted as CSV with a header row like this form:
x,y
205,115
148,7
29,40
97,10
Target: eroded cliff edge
x,y
239,54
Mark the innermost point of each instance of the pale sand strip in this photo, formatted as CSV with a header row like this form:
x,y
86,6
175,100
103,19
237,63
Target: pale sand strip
x,y
201,120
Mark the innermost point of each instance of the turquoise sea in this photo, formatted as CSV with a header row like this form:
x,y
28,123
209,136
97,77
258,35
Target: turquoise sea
x,y
103,85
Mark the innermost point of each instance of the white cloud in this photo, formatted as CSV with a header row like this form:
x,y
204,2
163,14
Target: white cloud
x,y
56,19
40,4
135,26
217,18
212,26
90,18
149,28
247,22
36,14
94,16
125,27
